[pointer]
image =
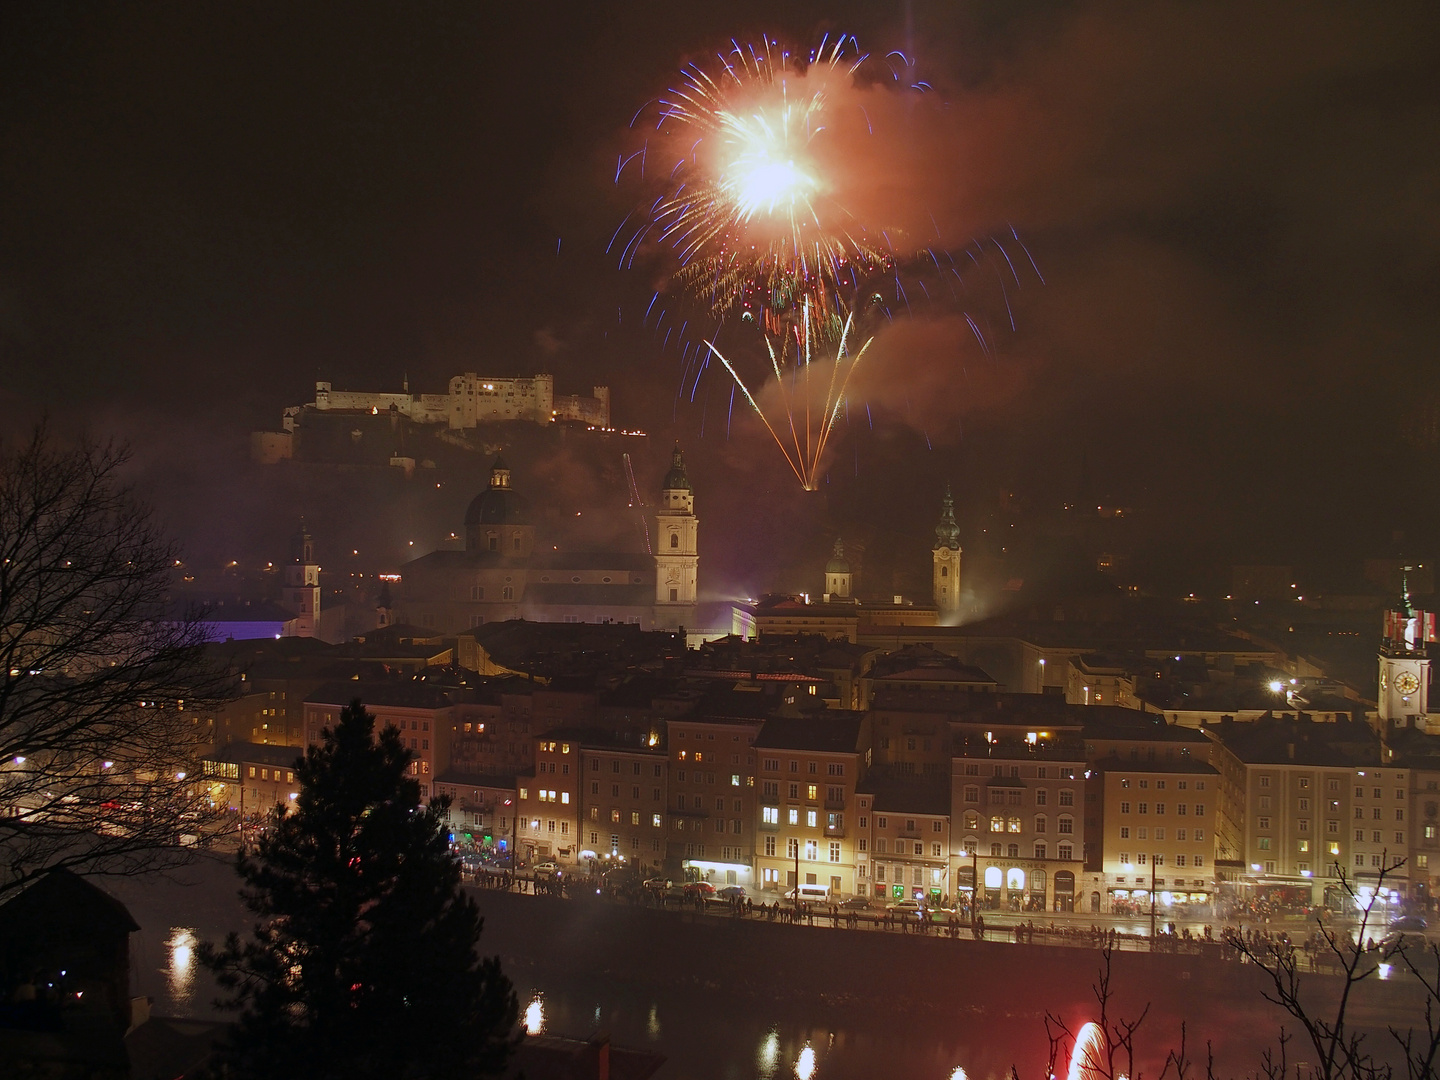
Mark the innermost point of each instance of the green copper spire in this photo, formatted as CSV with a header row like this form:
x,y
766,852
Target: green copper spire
x,y
675,479
947,533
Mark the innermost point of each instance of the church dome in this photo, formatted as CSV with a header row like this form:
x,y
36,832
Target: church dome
x,y
498,504
837,563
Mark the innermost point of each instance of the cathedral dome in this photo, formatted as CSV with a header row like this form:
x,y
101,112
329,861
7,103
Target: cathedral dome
x,y
837,563
498,504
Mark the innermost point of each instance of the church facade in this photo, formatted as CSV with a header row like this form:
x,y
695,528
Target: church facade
x,y
500,575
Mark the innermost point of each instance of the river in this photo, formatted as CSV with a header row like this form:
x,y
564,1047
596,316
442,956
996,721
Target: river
x,y
730,1000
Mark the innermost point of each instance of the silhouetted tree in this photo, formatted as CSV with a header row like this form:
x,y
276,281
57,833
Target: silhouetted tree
x,y
363,961
101,681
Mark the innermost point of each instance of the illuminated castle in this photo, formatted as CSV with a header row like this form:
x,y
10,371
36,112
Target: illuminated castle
x,y
472,400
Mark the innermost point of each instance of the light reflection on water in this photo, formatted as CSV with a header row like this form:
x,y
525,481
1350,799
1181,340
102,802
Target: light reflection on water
x,y
760,1044
535,1015
768,1054
180,967
805,1064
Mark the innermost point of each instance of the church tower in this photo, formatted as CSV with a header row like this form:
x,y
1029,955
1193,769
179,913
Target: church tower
x,y
301,593
837,574
945,585
676,557
1405,665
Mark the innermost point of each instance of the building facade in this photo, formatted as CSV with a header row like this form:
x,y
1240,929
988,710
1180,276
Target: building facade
x,y
1018,808
809,769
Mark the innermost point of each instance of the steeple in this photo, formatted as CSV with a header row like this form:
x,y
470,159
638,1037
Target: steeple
x,y
301,590
676,479
837,573
947,533
945,582
676,556
1405,662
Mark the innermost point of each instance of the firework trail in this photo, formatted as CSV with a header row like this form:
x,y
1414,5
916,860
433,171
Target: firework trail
x,y
810,398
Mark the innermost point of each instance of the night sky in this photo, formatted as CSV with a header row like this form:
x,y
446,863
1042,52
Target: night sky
x,y
1235,207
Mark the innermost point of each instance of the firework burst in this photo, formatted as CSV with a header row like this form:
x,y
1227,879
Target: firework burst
x,y
753,208
782,204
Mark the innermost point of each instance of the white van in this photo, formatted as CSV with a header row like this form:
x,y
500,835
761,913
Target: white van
x,y
813,893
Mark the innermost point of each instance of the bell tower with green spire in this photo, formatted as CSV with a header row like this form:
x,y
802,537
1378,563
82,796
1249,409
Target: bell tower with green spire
x,y
945,585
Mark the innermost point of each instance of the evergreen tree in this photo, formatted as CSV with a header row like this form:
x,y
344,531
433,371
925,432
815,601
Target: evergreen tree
x,y
363,961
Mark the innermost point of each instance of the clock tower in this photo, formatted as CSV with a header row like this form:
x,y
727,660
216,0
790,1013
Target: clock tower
x,y
1405,665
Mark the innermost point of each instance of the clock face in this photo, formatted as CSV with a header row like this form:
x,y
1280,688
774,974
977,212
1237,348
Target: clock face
x,y
1406,683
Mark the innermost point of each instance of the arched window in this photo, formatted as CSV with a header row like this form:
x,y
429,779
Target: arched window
x,y
997,824
1067,825
1013,851
1039,849
992,877
944,571
972,821
674,540
1040,823
1015,878
996,851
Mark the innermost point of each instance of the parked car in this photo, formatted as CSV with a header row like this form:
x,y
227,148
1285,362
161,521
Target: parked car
x,y
907,907
546,867
855,903
657,883
1408,924
699,888
732,892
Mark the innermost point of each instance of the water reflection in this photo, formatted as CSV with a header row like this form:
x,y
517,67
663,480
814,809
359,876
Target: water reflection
x,y
768,1054
180,967
652,1025
535,1016
805,1066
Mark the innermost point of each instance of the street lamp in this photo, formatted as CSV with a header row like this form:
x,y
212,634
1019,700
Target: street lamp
x,y
1153,859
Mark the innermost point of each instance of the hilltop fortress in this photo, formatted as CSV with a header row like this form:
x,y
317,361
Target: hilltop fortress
x,y
472,400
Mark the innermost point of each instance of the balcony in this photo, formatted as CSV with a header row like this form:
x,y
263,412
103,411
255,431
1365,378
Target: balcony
x,y
834,804
769,826
835,830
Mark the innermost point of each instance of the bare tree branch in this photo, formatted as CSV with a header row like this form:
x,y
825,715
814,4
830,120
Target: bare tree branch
x,y
102,684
